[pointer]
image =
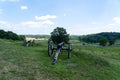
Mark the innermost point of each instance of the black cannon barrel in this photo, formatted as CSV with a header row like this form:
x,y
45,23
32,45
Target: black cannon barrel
x,y
60,45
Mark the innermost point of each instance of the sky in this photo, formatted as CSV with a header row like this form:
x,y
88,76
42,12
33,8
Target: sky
x,y
78,17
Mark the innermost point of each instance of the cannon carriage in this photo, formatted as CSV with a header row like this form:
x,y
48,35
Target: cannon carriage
x,y
59,42
60,46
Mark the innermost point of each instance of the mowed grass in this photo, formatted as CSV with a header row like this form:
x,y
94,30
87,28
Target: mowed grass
x,y
32,63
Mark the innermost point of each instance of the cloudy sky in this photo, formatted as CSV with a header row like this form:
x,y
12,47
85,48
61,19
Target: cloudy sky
x,y
78,17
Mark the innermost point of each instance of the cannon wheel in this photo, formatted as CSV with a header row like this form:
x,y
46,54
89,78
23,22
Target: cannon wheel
x,y
50,48
69,50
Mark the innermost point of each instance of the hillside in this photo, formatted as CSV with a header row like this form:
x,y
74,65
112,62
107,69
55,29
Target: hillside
x,y
94,38
10,35
89,62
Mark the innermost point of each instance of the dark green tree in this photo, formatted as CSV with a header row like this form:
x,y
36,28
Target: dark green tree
x,y
2,34
12,36
21,37
59,35
94,38
111,41
103,41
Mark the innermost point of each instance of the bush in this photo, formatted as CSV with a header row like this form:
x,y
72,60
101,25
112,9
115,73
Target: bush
x,y
21,37
10,35
103,41
111,41
59,35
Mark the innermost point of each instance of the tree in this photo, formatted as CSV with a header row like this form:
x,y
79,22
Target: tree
x,y
111,41
59,35
94,38
2,34
21,37
103,41
11,35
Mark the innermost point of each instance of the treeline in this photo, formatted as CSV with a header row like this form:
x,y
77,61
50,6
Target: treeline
x,y
74,37
10,35
109,37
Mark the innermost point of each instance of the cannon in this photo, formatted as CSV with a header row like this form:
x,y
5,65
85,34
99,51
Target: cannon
x,y
59,41
28,43
59,47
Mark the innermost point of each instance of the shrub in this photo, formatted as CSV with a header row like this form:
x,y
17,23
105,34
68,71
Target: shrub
x,y
10,35
59,35
103,41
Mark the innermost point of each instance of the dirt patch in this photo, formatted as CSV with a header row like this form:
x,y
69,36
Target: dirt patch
x,y
71,64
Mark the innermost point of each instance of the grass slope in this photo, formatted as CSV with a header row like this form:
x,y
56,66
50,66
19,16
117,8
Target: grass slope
x,y
32,63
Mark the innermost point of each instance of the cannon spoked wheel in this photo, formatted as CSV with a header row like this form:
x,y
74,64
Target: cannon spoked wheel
x,y
50,48
69,50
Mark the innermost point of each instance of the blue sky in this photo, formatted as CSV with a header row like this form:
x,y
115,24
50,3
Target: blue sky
x,y
78,17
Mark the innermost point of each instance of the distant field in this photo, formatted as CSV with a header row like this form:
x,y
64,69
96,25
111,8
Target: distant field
x,y
88,62
31,38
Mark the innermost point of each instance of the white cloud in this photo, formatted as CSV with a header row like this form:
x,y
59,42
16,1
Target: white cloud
x,y
9,0
82,29
116,20
23,7
46,26
3,22
37,23
5,25
33,27
48,22
27,27
110,24
45,17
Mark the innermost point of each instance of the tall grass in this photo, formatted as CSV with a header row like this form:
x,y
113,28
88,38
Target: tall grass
x,y
32,63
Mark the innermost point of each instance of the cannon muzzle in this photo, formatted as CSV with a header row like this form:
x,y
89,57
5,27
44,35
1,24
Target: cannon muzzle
x,y
60,45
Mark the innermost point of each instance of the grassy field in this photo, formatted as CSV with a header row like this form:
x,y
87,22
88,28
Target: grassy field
x,y
89,62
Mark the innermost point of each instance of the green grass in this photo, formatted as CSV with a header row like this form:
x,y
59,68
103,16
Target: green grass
x,y
32,63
